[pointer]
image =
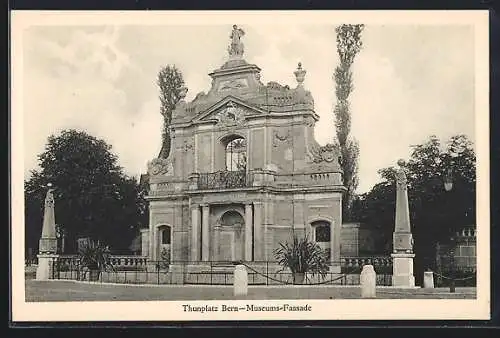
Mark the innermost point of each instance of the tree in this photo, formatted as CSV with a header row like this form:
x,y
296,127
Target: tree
x,y
93,198
349,45
170,82
435,214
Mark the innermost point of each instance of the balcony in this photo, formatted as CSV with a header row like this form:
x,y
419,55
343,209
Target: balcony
x,y
224,180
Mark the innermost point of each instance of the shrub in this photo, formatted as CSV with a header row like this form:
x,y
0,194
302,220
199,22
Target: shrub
x,y
302,255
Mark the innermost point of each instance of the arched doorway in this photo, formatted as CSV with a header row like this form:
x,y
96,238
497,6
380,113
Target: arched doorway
x,y
231,236
321,235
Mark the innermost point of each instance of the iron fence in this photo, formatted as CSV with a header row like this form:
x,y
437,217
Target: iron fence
x,y
456,277
203,273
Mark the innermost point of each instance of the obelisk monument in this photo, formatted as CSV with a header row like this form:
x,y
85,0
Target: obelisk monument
x,y
47,249
402,265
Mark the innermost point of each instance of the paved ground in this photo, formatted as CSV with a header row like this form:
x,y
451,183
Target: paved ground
x,y
39,291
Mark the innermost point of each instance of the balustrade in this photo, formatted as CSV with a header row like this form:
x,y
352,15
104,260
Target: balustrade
x,y
115,261
223,179
379,262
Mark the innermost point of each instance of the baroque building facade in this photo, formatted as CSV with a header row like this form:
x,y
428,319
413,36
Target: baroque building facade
x,y
245,171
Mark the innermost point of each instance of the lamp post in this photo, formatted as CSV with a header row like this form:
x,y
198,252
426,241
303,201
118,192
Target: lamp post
x,y
448,186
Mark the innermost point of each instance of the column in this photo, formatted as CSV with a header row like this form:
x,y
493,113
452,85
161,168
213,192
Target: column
x,y
248,232
205,232
258,232
195,233
335,229
151,243
216,241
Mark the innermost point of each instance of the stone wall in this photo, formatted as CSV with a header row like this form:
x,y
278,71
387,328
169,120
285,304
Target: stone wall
x,y
463,248
349,239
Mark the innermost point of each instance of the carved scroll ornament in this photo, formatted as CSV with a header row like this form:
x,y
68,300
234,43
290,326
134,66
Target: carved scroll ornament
x,y
160,166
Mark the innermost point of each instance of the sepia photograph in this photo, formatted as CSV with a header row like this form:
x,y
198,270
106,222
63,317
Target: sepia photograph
x,y
238,165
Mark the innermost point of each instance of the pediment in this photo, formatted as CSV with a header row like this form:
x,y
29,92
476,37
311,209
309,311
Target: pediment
x,y
229,111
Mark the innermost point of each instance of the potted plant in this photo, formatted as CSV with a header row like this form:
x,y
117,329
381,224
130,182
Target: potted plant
x,y
302,256
95,257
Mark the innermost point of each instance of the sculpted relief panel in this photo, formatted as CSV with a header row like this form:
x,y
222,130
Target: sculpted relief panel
x,y
231,115
233,84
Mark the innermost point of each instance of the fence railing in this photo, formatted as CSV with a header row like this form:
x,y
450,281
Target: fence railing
x,y
457,276
137,270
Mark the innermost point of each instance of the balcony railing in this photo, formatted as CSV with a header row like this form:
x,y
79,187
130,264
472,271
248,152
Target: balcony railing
x,y
223,180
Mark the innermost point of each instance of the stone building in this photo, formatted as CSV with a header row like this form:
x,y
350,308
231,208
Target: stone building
x,y
243,172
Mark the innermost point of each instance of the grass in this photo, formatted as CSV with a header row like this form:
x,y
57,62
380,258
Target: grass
x,y
41,291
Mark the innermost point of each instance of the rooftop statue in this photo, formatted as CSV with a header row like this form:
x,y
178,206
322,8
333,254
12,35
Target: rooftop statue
x,y
236,48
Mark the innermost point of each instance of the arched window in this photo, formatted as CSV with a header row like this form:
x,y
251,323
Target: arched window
x,y
321,231
165,235
236,154
232,218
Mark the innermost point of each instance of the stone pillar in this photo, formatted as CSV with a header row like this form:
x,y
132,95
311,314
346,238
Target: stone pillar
x,y
402,270
240,286
195,233
144,242
205,232
152,212
258,232
47,248
429,280
368,281
248,232
402,275
216,241
335,236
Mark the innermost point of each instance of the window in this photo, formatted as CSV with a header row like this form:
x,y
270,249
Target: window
x,y
165,235
236,159
232,218
321,231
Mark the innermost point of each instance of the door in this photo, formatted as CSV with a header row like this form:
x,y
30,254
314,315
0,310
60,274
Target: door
x,y
226,246
239,244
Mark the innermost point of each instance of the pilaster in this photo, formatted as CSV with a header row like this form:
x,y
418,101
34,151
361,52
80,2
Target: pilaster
x,y
248,232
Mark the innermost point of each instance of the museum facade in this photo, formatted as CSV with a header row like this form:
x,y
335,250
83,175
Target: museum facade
x,y
244,172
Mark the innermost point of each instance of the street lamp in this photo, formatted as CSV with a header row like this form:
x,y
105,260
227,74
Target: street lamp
x,y
448,185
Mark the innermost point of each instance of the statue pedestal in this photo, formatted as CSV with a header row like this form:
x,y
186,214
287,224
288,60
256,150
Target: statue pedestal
x,y
45,266
402,270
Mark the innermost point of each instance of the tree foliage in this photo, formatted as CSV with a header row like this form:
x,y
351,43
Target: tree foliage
x,y
93,198
349,44
170,82
435,213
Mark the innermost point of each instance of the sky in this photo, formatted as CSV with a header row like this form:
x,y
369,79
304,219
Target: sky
x,y
410,82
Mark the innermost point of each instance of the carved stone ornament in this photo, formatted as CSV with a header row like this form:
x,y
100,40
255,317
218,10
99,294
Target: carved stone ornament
x,y
188,145
318,154
233,84
231,115
160,166
328,153
236,47
278,138
401,180
49,199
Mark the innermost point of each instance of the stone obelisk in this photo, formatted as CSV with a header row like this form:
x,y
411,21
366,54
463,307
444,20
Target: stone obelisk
x,y
47,249
402,257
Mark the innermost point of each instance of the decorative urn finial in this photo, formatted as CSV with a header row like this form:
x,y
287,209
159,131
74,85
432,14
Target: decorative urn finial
x,y
300,74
